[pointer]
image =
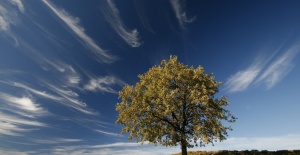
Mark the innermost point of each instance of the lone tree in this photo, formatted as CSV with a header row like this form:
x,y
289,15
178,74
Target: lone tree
x,y
174,104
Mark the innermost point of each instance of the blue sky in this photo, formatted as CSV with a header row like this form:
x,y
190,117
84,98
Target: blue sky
x,y
62,64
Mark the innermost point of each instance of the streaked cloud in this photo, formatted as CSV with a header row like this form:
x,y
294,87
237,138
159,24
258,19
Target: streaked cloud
x,y
107,133
67,95
19,4
118,144
19,114
73,77
113,17
56,141
38,92
14,126
10,129
70,99
8,17
73,25
242,79
142,12
44,61
103,84
180,13
67,72
279,68
14,152
64,97
105,149
22,103
264,70
4,24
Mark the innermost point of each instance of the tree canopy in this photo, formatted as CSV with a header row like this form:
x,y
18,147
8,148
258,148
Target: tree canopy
x,y
174,104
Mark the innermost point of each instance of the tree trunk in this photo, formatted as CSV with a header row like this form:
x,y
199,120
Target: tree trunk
x,y
183,150
183,147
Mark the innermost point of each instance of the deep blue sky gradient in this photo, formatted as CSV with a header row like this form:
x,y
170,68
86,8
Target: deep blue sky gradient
x,y
62,64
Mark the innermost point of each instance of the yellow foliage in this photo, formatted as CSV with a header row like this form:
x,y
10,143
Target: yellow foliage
x,y
173,104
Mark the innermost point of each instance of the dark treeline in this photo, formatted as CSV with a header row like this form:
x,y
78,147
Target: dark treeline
x,y
245,152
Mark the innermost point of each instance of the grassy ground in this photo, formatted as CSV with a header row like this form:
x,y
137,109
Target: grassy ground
x,y
245,152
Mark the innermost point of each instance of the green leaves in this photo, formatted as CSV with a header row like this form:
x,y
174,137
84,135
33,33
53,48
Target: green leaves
x,y
173,104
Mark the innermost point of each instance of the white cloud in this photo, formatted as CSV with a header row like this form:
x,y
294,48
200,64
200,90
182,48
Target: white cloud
x,y
19,121
22,103
279,68
73,25
38,92
44,61
118,144
8,17
264,70
13,152
70,74
70,99
56,140
180,13
107,133
66,97
113,17
14,126
19,4
67,71
62,92
242,79
10,129
124,148
4,24
285,142
103,84
73,77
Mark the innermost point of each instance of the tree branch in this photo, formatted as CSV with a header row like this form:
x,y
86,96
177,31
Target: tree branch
x,y
166,120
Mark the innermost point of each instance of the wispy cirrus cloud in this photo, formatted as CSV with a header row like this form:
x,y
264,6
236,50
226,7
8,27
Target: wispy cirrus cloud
x,y
113,17
68,95
18,115
107,133
4,21
64,97
66,71
279,68
24,104
37,92
180,13
14,152
15,126
264,70
73,25
106,149
56,140
19,4
8,17
44,61
103,84
73,77
242,79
